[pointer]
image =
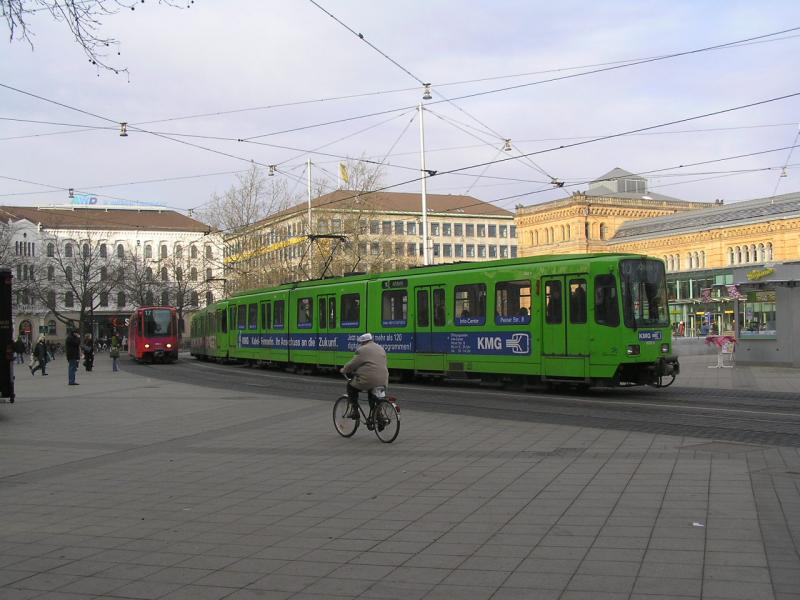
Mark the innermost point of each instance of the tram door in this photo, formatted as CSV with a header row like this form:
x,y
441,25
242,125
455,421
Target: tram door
x,y
565,331
221,333
326,336
431,317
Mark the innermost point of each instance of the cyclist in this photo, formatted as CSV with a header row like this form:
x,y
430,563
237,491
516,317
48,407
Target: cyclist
x,y
367,370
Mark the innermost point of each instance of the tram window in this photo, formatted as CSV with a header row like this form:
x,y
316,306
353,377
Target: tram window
x,y
252,316
350,310
512,302
394,308
470,304
577,301
332,312
439,310
232,317
241,316
606,309
553,304
323,313
277,316
223,321
266,317
305,313
422,308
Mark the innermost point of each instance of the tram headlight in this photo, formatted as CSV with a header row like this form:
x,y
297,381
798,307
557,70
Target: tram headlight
x,y
169,345
632,350
664,348
146,346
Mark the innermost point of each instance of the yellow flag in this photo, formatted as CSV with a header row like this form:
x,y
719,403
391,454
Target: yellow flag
x,y
343,173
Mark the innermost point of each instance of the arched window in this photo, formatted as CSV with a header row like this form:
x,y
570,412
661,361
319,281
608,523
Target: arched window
x,y
148,298
689,260
120,251
148,251
753,254
769,250
603,231
163,251
69,301
209,298
671,262
87,251
563,233
120,299
586,230
193,299
165,298
697,264
103,251
51,249
193,252
164,274
730,256
68,273
209,274
103,298
209,253
68,250
569,235
702,258
148,274
51,299
746,257
179,251
178,274
677,262
120,275
51,273
738,255
762,254
193,274
103,273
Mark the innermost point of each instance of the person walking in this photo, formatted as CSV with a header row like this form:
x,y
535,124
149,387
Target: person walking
x,y
40,352
19,350
88,352
114,353
73,346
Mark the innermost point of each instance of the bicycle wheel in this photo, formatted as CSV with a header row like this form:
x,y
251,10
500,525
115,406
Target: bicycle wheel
x,y
344,423
387,422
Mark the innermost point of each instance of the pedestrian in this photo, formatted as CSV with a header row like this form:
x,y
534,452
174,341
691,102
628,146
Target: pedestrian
x,y
40,351
114,353
19,350
88,352
73,346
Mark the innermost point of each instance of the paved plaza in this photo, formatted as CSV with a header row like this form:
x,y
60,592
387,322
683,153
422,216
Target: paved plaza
x,y
132,487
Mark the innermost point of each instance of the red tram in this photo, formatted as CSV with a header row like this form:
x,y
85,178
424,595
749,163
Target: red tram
x,y
153,334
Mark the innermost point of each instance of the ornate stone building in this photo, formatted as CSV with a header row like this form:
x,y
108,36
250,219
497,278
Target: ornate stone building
x,y
587,221
701,244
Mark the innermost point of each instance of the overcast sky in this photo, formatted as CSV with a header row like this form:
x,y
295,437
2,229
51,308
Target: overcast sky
x,y
219,57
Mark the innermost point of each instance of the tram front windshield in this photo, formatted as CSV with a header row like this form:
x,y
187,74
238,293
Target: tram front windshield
x,y
157,322
644,293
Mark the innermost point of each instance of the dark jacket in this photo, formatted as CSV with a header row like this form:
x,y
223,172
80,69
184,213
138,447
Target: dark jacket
x,y
19,347
40,352
73,345
368,367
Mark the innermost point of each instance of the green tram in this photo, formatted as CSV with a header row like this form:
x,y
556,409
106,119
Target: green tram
x,y
588,320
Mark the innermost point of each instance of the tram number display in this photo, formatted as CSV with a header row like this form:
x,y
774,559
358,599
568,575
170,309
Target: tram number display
x,y
391,284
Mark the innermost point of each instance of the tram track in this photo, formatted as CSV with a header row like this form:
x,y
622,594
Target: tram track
x,y
733,415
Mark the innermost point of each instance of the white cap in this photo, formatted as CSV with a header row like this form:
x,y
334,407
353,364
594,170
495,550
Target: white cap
x,y
367,337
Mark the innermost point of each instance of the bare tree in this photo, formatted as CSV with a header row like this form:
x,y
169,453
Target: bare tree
x,y
135,276
83,17
83,269
186,281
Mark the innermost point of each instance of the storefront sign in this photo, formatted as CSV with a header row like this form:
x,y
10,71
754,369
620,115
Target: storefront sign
x,y
757,274
763,296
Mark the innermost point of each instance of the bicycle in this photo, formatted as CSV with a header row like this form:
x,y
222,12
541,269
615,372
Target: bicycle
x,y
383,418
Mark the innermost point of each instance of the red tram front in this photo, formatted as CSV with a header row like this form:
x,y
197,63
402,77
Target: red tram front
x,y
153,334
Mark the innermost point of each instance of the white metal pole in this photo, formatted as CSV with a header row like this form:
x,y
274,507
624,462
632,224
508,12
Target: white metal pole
x,y
424,189
308,225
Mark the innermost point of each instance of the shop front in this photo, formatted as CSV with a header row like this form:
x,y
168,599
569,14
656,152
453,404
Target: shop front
x,y
702,303
768,314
